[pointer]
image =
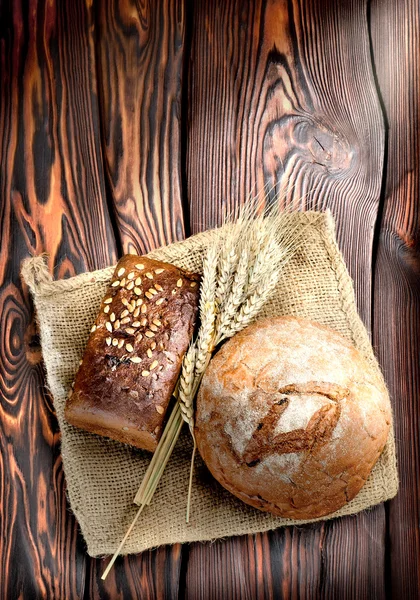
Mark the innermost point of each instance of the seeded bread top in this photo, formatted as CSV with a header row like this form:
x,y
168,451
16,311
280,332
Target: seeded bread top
x,y
134,352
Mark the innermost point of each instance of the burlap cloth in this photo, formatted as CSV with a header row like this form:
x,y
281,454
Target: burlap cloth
x,y
103,476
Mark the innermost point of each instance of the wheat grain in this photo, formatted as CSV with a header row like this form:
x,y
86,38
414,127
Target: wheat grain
x,y
207,307
251,308
225,268
186,384
236,295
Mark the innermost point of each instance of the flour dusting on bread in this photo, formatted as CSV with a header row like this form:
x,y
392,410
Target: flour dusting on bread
x,y
291,418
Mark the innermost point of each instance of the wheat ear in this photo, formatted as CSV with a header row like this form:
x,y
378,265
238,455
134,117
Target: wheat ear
x,y
207,308
186,381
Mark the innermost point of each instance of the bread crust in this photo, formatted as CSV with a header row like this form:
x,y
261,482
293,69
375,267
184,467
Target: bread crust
x,y
291,418
150,315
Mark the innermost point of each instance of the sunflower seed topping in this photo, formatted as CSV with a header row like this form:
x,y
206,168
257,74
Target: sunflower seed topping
x,y
140,266
129,348
159,271
135,359
115,283
121,272
149,334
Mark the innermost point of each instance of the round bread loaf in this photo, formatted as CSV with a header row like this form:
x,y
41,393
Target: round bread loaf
x,y
291,418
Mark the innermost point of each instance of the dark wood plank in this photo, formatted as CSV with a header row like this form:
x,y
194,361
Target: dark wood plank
x,y
140,69
51,199
258,566
244,574
149,575
282,95
396,51
140,58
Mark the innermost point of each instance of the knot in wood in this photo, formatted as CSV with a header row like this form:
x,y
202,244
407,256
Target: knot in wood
x,y
306,141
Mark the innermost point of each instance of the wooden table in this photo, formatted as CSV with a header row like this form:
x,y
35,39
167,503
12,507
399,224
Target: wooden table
x,y
127,125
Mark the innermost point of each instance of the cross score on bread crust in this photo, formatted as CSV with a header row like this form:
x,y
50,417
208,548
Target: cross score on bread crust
x,y
318,431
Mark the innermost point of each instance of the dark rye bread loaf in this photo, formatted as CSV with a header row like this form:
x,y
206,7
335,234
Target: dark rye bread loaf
x,y
291,418
134,352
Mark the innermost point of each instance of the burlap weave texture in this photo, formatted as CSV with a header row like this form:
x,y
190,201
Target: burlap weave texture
x,y
103,476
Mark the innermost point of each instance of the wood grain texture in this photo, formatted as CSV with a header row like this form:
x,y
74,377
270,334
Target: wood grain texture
x,y
396,52
140,61
244,575
263,566
148,576
51,199
282,97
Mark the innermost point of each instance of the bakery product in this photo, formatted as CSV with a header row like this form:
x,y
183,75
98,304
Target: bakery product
x,y
134,352
290,418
